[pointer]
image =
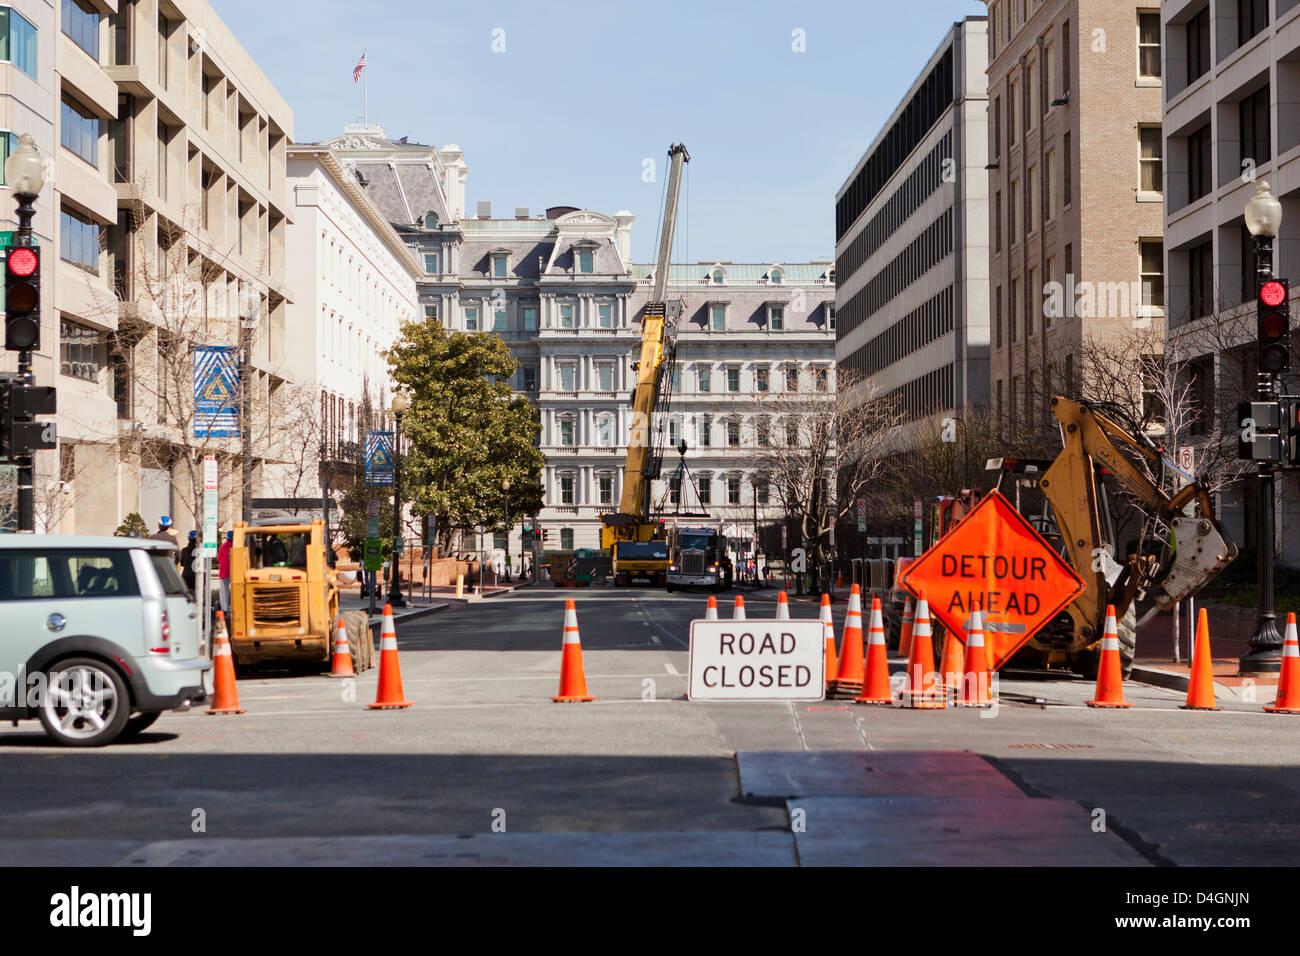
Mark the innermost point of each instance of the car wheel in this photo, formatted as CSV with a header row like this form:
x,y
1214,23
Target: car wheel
x,y
137,723
85,703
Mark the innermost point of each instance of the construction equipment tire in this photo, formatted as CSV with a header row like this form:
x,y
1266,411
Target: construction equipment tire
x,y
361,642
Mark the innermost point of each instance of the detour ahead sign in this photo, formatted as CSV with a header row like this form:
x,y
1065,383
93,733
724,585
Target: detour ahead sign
x,y
994,561
757,660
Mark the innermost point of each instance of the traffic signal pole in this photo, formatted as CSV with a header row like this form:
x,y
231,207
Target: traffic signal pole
x,y
1265,654
27,459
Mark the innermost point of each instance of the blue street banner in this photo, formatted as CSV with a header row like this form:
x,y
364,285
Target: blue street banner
x,y
379,458
216,391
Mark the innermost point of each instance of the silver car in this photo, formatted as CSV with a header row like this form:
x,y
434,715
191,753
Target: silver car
x,y
98,636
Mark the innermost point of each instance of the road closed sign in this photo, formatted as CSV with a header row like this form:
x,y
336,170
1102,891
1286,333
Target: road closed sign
x,y
995,562
757,660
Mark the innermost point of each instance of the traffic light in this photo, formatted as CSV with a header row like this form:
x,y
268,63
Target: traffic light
x,y
1274,326
20,433
23,299
1291,432
1258,424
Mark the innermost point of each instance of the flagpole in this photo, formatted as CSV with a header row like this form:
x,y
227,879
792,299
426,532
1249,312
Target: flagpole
x,y
365,90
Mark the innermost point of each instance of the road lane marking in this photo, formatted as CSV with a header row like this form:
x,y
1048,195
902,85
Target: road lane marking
x,y
670,669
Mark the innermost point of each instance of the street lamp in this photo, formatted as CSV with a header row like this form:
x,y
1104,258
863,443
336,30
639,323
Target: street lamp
x,y
399,406
25,174
1264,219
753,481
505,487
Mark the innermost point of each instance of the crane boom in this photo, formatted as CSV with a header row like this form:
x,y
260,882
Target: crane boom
x,y
658,346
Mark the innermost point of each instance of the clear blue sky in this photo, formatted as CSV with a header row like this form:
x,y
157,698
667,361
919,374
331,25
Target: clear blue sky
x,y
584,92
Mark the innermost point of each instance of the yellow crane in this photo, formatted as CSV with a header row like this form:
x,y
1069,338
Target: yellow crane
x,y
631,523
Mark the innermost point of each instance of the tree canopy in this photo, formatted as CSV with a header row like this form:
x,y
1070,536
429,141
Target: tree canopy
x,y
465,432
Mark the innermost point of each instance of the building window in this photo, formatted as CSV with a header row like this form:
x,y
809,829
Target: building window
x,y
718,315
499,266
566,316
1012,212
733,489
830,316
1153,276
1011,114
605,431
733,433
8,143
1149,45
605,315
431,312
499,320
81,350
760,378
821,378
605,488
79,133
1031,95
1255,128
733,378
674,431
997,127
776,318
762,492
762,433
566,489
1252,17
677,380
1198,45
1067,172
605,376
471,319
1199,180
1151,146
997,316
431,263
792,433
81,26
1013,308
568,378
1031,190
775,276
17,41
568,432
1049,187
792,378
530,379
78,241
718,276
704,487
585,264
1200,280
705,430
566,534
997,222
703,378
530,318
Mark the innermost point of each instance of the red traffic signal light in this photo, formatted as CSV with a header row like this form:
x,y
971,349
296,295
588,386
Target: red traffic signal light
x,y
1273,325
23,262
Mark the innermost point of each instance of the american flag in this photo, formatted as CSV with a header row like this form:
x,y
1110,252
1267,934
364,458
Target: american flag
x,y
357,70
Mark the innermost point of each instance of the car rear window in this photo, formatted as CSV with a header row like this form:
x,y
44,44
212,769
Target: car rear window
x,y
91,573
172,584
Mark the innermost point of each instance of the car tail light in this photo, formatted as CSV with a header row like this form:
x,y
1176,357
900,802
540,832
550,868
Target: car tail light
x,y
166,647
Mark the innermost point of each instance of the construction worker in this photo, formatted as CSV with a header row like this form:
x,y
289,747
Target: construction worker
x,y
223,570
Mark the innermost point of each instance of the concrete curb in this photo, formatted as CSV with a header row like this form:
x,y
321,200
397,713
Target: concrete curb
x,y
1173,680
410,614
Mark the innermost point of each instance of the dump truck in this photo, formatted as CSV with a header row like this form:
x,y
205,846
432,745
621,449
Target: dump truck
x,y
284,597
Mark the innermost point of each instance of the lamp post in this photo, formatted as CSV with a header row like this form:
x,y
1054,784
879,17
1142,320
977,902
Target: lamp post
x,y
753,481
25,174
399,406
505,488
1264,219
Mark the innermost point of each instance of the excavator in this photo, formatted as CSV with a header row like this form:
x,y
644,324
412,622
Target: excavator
x,y
632,524
1174,548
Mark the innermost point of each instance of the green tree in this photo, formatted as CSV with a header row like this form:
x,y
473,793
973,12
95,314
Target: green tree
x,y
465,432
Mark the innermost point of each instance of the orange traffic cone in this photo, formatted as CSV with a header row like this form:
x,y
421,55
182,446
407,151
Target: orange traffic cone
x,y
1200,688
1288,684
950,665
974,688
848,673
905,631
782,607
225,695
341,665
921,692
573,679
1110,681
712,613
739,613
389,695
828,623
839,580
875,686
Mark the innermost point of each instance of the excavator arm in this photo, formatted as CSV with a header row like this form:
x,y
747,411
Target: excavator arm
x,y
1197,550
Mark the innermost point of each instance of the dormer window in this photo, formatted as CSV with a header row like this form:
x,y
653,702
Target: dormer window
x,y
775,275
431,220
500,263
586,261
718,275
776,318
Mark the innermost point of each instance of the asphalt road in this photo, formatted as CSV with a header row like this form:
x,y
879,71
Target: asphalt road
x,y
640,774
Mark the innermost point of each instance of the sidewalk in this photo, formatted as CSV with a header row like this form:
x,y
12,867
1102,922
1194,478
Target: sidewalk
x,y
1230,629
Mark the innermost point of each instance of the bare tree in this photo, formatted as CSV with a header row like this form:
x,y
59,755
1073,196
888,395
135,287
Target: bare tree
x,y
821,448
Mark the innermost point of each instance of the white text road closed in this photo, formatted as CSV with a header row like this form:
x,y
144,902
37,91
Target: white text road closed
x,y
757,660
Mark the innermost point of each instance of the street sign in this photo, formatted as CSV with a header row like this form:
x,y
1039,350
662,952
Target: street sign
x,y
372,555
757,660
209,505
917,544
862,515
995,562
